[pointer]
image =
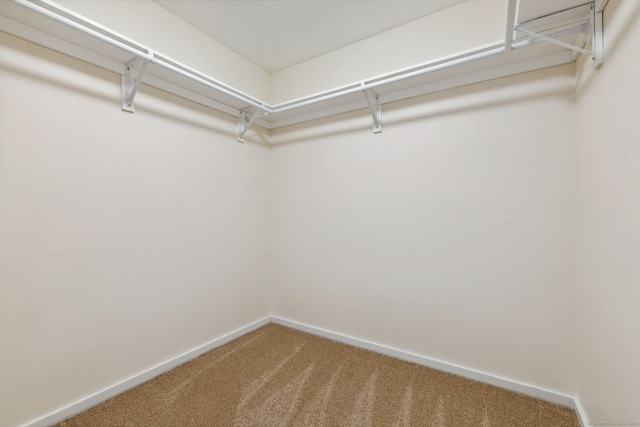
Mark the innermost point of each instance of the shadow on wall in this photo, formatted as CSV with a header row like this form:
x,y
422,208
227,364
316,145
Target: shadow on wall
x,y
148,101
227,127
53,80
485,95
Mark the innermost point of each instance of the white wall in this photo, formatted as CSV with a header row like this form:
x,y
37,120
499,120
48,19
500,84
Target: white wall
x,y
608,264
493,226
449,235
127,239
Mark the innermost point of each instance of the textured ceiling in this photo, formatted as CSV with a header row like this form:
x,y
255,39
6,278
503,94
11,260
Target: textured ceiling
x,y
278,34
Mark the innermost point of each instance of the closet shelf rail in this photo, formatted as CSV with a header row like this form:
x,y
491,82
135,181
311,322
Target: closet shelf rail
x,y
567,32
67,17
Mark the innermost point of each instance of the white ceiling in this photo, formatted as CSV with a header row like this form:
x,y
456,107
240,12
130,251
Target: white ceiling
x,y
278,34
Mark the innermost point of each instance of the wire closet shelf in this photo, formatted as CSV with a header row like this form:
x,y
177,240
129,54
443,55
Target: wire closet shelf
x,y
563,36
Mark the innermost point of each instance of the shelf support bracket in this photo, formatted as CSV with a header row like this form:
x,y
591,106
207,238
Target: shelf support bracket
x,y
597,38
512,11
130,84
245,120
554,41
373,99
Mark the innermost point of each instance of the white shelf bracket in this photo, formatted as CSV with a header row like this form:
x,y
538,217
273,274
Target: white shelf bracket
x,y
130,84
373,99
245,120
597,41
512,12
554,41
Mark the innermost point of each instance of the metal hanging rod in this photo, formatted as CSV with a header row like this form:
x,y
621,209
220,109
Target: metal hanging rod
x,y
194,75
448,62
259,108
365,85
85,26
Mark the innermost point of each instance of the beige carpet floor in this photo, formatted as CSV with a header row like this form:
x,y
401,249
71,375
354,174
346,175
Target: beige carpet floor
x,y
276,376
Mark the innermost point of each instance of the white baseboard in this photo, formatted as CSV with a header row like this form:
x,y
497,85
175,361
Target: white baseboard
x,y
582,415
111,391
517,386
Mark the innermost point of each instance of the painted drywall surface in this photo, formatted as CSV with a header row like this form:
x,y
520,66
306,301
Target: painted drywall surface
x,y
410,44
449,234
127,239
149,23
609,223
